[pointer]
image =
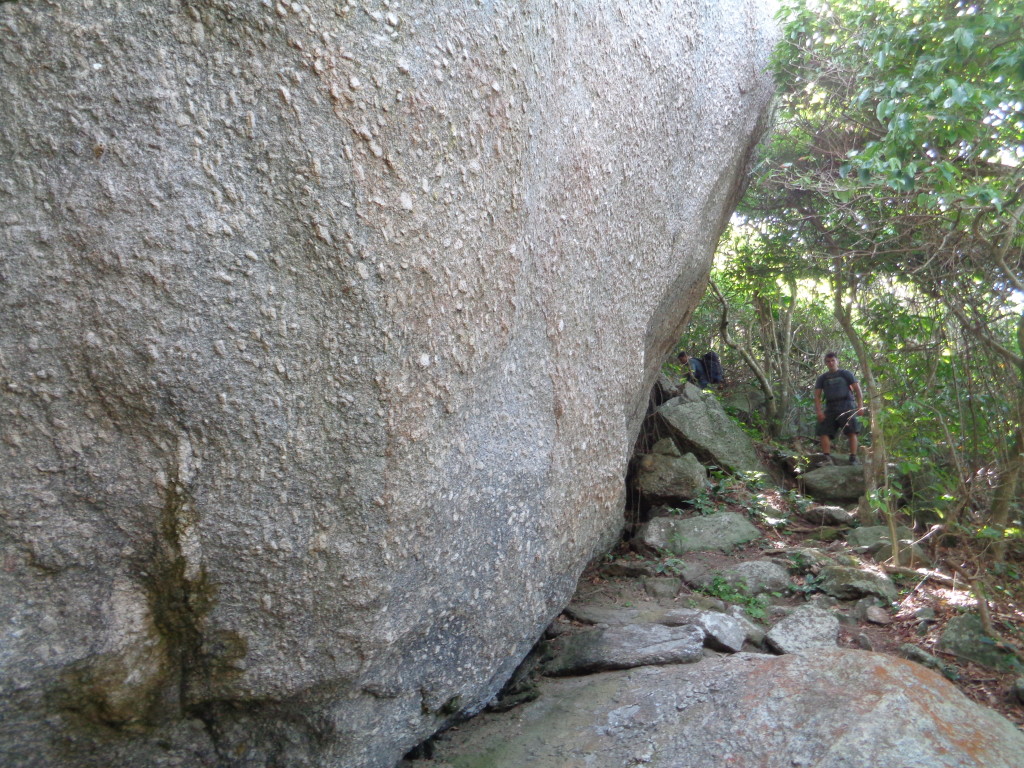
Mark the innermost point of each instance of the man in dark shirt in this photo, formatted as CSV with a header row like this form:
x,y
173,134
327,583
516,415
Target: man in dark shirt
x,y
693,370
838,388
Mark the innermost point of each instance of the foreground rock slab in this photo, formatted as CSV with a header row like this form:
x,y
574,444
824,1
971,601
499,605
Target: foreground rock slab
x,y
836,709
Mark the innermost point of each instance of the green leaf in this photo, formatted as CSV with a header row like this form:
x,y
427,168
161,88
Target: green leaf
x,y
964,38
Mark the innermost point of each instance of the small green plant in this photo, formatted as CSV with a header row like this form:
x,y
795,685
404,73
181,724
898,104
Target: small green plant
x,y
703,504
755,481
670,566
797,501
811,584
756,607
724,590
799,562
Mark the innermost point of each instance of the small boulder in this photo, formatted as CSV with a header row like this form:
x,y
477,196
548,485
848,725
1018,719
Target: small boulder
x,y
665,587
665,475
754,632
846,583
911,555
873,537
820,514
841,483
665,388
629,569
877,615
721,531
753,577
623,647
700,425
721,631
585,613
614,615
806,628
965,638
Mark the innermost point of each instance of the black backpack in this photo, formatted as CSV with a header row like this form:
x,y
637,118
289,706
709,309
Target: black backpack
x,y
835,387
713,368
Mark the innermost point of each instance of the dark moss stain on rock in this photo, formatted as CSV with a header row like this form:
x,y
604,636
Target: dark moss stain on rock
x,y
180,604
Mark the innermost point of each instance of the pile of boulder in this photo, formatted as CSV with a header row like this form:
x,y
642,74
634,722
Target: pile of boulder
x,y
722,647
698,651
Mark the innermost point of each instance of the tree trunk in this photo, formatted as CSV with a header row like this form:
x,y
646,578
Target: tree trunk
x,y
1012,469
877,468
770,403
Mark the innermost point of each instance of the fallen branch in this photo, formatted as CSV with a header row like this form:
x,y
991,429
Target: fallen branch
x,y
942,578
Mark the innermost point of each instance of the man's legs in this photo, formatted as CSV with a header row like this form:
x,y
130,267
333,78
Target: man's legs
x,y
826,444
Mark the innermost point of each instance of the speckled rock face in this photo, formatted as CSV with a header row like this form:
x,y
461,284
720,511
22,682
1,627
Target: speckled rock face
x,y
327,330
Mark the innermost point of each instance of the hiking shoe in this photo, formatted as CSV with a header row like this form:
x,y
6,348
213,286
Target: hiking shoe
x,y
853,459
828,459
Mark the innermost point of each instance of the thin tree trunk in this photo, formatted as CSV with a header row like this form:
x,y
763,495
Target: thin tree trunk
x,y
785,353
877,468
1013,468
770,406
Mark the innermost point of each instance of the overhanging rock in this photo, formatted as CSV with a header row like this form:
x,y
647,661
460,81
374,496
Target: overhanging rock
x,y
327,331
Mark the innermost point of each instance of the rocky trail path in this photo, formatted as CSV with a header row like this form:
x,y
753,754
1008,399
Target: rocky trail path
x,y
701,638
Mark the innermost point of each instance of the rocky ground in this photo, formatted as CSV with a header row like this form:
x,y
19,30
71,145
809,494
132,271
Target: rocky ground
x,y
806,582
918,617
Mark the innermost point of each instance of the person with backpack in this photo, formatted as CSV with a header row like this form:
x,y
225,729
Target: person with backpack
x,y
693,369
839,389
713,368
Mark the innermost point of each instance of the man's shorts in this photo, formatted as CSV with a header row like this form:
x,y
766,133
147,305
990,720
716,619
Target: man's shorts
x,y
839,419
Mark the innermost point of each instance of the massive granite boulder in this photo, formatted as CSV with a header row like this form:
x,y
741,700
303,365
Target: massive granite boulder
x,y
327,332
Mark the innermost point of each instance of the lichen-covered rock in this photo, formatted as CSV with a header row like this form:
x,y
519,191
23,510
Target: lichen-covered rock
x,y
327,331
752,577
871,538
848,583
839,483
965,637
827,709
701,427
665,475
721,531
622,647
826,515
807,628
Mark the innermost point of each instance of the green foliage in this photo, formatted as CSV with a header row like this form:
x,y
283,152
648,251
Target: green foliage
x,y
893,187
935,87
755,606
704,503
669,566
811,584
799,562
